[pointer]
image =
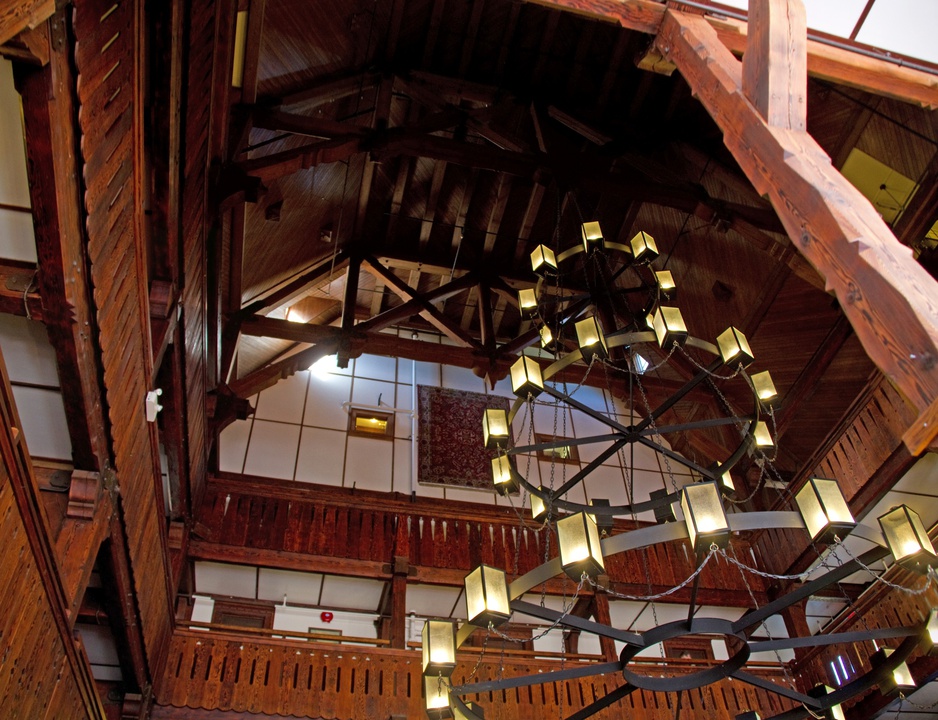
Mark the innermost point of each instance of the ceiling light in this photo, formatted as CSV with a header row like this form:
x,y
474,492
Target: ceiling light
x,y
592,235
495,428
439,647
703,513
734,347
580,550
824,510
764,387
436,694
503,475
487,596
543,260
590,338
644,248
669,326
527,301
907,539
899,680
526,377
539,509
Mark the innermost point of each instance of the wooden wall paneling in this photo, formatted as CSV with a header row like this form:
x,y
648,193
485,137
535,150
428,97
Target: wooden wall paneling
x,y
45,669
106,45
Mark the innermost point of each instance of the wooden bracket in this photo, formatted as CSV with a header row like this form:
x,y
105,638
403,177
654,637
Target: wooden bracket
x,y
83,494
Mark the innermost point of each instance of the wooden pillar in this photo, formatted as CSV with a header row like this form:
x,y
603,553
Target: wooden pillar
x,y
397,627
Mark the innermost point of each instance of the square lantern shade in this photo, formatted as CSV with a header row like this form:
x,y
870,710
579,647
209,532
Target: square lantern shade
x,y
580,551
437,698
907,539
527,301
765,388
726,483
526,377
495,428
487,596
734,348
477,712
930,640
644,247
439,648
592,235
590,338
543,260
504,476
899,680
750,715
669,326
604,523
762,436
703,513
664,513
833,713
547,338
665,280
824,510
539,508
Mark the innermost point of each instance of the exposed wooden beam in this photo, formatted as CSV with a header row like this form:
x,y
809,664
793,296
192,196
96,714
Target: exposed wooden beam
x,y
839,65
889,299
19,290
324,269
19,15
329,89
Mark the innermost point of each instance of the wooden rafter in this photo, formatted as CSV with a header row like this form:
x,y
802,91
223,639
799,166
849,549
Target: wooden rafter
x,y
16,16
879,285
839,65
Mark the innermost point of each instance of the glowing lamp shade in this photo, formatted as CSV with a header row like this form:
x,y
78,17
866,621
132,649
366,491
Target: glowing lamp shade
x,y
539,508
835,712
765,388
762,436
439,648
477,712
703,513
644,247
580,551
734,347
503,475
669,326
495,428
487,596
547,338
665,280
543,260
527,301
526,377
590,338
930,640
603,522
907,539
592,235
899,680
824,510
437,698
726,483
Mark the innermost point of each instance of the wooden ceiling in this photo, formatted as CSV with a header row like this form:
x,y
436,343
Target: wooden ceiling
x,y
410,155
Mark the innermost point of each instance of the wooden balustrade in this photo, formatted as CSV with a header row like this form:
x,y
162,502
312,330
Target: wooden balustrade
x,y
289,526
281,677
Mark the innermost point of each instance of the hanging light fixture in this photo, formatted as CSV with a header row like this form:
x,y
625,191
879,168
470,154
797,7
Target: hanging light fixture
x,y
835,712
604,523
591,339
526,377
436,694
644,248
824,510
750,715
907,539
439,647
477,712
592,235
547,338
495,428
539,509
734,347
930,638
665,281
543,260
669,326
527,301
765,388
580,550
762,436
487,596
703,513
900,680
504,476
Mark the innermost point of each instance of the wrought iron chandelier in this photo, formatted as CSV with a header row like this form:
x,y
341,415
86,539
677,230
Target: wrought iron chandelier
x,y
649,317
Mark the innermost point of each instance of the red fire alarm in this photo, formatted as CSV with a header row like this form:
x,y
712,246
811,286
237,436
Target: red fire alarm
x,y
326,616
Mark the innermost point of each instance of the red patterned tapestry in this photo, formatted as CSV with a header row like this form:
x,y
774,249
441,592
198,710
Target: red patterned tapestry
x,y
450,437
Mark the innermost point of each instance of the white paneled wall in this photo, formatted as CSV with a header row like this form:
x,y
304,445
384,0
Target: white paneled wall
x,y
17,241
298,433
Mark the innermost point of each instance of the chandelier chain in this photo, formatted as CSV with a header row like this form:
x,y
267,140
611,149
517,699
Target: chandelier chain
x,y
666,593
